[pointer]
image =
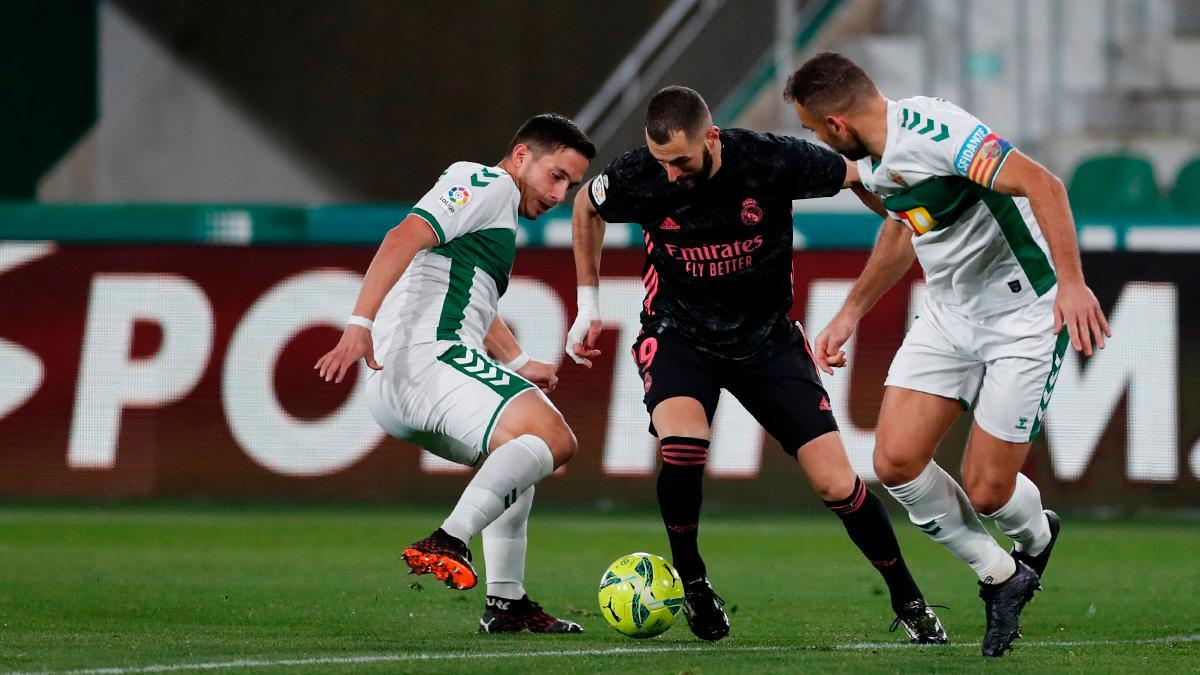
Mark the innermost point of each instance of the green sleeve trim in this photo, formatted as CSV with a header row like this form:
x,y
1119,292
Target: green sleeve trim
x,y
433,222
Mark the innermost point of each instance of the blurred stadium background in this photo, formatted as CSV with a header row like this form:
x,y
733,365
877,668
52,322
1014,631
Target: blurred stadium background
x,y
191,190
194,187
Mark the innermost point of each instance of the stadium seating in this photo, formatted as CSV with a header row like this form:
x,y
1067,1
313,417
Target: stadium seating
x,y
1185,196
1114,185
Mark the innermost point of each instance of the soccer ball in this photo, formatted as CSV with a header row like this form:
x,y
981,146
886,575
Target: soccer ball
x,y
640,595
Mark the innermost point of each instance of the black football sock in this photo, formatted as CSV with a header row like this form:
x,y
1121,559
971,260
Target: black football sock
x,y
870,529
680,492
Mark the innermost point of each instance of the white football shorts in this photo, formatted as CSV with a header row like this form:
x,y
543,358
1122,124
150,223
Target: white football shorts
x,y
445,396
1004,365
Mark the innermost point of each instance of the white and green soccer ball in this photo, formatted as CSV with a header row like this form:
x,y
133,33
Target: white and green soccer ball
x,y
640,595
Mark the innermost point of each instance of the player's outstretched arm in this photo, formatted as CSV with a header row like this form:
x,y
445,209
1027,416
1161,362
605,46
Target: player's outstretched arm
x,y
587,238
393,257
502,344
1075,306
892,256
868,198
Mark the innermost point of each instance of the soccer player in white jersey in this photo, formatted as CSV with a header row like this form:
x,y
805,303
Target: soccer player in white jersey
x,y
450,374
993,232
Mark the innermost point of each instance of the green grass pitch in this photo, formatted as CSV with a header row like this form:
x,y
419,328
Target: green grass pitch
x,y
168,588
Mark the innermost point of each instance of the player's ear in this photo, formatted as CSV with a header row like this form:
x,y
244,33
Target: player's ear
x,y
520,153
837,125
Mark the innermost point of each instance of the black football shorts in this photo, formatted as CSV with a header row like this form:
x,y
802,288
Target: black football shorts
x,y
783,392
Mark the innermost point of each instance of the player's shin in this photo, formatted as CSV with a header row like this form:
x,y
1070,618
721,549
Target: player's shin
x,y
866,521
1022,518
680,492
509,471
504,545
940,508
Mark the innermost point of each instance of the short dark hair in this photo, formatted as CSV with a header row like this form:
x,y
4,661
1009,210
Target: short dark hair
x,y
547,132
674,109
829,83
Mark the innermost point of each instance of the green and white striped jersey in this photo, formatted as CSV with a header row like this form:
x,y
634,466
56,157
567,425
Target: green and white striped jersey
x,y
451,291
982,252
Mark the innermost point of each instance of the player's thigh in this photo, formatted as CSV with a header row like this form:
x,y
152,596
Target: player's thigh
x,y
911,424
933,378
407,397
468,394
681,390
784,394
1023,359
530,412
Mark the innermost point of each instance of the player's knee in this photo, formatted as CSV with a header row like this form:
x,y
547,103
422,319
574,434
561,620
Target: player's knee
x,y
987,494
892,466
834,488
562,444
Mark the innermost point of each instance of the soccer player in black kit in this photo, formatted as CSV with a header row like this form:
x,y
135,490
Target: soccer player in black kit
x,y
716,209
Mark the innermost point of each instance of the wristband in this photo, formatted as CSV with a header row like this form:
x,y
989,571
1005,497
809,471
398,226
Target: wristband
x,y
362,321
588,298
518,363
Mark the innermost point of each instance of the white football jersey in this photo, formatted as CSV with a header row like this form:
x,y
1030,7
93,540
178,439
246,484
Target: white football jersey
x,y
451,291
982,252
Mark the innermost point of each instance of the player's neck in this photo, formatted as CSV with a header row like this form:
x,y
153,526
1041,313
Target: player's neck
x,y
507,165
872,126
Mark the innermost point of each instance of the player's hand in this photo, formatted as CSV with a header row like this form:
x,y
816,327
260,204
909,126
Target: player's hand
x,y
1077,308
544,375
581,339
827,349
354,345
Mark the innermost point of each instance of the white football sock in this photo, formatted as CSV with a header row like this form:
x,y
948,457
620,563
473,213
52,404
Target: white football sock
x,y
504,544
940,508
509,471
1022,518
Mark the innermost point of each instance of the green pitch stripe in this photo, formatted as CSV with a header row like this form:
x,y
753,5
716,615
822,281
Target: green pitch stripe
x,y
1060,348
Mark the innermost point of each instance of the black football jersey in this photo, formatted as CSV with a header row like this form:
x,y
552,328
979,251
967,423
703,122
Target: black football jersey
x,y
718,269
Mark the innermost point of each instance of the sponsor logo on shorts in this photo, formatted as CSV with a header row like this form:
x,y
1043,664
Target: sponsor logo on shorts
x,y
600,189
1022,423
1015,285
455,198
824,404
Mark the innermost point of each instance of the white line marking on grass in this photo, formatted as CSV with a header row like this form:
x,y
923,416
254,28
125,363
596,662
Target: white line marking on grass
x,y
613,651
1171,639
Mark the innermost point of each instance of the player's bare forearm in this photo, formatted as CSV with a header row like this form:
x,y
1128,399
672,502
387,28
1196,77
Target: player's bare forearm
x,y
1022,177
892,256
500,342
869,199
394,256
587,239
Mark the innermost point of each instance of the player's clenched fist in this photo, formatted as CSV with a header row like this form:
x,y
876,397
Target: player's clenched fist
x,y
354,345
544,375
827,350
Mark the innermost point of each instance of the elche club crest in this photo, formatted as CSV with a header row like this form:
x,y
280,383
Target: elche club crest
x,y
752,213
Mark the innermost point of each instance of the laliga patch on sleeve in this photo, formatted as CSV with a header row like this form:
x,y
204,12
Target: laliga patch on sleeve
x,y
457,197
600,189
969,149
